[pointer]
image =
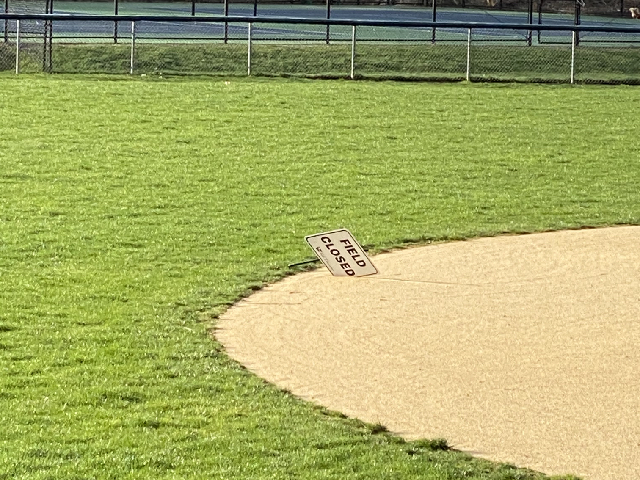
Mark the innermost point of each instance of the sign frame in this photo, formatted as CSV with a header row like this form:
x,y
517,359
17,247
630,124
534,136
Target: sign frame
x,y
341,253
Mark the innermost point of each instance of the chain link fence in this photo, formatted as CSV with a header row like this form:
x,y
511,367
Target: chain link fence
x,y
234,46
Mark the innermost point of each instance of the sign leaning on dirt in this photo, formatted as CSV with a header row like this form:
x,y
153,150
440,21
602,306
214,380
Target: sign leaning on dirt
x,y
341,253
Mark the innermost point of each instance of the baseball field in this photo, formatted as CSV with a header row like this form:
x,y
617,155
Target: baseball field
x,y
135,211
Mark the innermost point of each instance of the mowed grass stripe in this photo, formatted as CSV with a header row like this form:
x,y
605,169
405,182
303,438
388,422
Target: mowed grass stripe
x,y
133,212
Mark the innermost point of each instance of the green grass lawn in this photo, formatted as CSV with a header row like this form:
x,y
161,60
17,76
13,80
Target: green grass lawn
x,y
133,212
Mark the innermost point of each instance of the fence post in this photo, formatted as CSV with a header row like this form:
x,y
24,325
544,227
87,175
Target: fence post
x,y
249,49
574,40
468,55
530,21
539,19
576,21
133,47
17,47
226,24
328,6
115,23
6,22
434,13
353,52
47,61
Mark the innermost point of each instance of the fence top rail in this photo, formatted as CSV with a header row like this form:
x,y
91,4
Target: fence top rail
x,y
318,21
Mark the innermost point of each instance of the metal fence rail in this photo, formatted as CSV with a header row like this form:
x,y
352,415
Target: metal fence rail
x,y
338,48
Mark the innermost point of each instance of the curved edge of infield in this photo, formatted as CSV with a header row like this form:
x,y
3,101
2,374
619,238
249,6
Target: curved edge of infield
x,y
520,349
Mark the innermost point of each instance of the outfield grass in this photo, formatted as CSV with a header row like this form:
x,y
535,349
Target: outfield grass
x,y
133,212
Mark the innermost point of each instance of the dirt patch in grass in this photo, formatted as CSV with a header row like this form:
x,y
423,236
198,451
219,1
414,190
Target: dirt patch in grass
x,y
521,349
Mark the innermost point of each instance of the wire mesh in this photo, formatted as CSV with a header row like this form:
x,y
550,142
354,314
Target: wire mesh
x,y
301,59
610,8
28,27
316,50
95,57
607,64
518,62
190,58
423,60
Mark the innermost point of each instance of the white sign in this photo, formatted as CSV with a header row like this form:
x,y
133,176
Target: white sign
x,y
341,253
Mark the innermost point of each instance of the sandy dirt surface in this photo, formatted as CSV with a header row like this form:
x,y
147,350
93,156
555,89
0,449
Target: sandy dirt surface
x,y
521,349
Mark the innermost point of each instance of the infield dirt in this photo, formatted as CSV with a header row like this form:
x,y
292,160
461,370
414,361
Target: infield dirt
x,y
522,349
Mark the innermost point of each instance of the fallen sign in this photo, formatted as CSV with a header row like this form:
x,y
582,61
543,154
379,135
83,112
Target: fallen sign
x,y
341,253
